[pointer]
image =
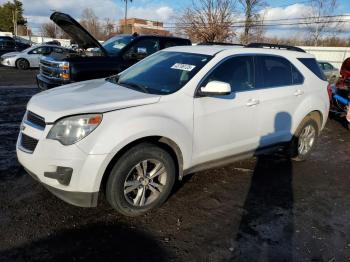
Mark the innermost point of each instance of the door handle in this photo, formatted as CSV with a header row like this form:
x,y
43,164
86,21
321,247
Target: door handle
x,y
252,102
298,92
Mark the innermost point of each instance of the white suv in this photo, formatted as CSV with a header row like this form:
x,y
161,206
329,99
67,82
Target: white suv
x,y
178,111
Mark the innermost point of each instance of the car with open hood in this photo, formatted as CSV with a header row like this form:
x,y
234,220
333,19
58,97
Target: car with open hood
x,y
102,60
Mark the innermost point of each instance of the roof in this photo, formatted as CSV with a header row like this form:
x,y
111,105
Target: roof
x,y
202,49
214,49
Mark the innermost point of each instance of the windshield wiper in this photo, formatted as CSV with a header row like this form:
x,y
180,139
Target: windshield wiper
x,y
113,79
135,86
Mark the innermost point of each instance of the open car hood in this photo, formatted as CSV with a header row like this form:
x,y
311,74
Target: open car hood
x,y
75,30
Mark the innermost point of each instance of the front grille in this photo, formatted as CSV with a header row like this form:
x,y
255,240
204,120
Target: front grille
x,y
48,64
28,143
49,71
36,120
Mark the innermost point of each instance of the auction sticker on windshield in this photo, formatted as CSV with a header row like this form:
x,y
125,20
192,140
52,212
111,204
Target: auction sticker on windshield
x,y
184,67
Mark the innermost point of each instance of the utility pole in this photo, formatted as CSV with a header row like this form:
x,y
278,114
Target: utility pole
x,y
14,18
126,14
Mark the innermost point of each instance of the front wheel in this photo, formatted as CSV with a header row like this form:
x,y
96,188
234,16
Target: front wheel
x,y
304,140
22,64
141,180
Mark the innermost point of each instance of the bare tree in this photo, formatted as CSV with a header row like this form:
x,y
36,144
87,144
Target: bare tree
x,y
49,30
208,21
254,20
109,29
91,23
319,20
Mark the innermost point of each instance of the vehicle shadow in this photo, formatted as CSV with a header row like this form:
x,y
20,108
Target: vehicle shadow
x,y
96,242
267,226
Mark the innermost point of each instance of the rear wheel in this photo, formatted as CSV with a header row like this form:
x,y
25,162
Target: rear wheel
x,y
141,180
304,140
22,64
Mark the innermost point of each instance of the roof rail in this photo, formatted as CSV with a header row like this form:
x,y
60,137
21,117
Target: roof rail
x,y
275,46
218,43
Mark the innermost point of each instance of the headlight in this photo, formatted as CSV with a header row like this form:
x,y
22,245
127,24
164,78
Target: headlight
x,y
65,70
71,129
64,65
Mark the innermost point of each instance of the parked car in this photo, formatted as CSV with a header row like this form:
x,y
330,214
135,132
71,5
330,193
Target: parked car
x,y
30,57
329,70
181,110
53,42
9,44
112,57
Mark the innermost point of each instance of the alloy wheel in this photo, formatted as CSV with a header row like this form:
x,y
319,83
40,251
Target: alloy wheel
x,y
306,139
145,182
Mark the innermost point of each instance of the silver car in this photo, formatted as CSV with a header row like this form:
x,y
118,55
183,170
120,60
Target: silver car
x,y
329,70
30,57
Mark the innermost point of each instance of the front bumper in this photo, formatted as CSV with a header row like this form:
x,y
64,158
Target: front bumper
x,y
81,199
83,171
6,62
45,83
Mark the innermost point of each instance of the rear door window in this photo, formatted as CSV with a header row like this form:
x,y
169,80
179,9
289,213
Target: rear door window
x,y
297,77
274,71
147,46
328,66
57,50
313,66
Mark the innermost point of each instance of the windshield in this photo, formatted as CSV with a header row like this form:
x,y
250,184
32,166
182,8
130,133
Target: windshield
x,y
162,73
115,44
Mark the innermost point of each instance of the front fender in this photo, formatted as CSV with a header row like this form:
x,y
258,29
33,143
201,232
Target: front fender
x,y
120,129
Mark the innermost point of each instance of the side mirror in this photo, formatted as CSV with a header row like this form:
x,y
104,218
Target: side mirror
x,y
215,88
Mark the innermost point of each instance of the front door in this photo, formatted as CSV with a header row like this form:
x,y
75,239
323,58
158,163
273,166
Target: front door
x,y
226,125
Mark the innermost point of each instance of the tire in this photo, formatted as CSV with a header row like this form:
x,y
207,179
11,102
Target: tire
x,y
22,64
304,140
132,191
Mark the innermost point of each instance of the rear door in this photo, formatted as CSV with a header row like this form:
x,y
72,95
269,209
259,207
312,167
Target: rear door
x,y
281,88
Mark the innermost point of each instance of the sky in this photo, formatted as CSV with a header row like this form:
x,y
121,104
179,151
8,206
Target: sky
x,y
38,11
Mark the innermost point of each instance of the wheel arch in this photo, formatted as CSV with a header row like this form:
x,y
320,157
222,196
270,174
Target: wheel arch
x,y
23,58
169,145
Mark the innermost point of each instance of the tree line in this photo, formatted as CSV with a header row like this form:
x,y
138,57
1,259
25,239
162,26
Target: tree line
x,y
239,21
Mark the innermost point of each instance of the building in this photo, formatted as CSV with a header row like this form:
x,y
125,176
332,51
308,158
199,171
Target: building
x,y
142,26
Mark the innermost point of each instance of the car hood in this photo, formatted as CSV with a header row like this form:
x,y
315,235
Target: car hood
x,y
10,54
93,96
78,33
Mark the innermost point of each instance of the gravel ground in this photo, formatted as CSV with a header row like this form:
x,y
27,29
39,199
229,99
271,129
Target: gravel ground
x,y
266,209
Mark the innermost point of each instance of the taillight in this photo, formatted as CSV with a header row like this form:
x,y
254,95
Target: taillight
x,y
329,90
